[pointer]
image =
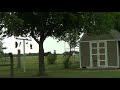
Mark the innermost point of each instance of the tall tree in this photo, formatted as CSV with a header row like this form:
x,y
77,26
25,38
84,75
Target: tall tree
x,y
72,38
41,25
38,25
90,22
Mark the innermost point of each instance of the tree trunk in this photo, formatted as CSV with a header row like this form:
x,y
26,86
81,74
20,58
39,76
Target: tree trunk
x,y
70,52
70,49
41,59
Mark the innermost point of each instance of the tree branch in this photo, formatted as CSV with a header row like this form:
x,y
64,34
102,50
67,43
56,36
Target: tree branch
x,y
34,37
48,33
1,26
42,36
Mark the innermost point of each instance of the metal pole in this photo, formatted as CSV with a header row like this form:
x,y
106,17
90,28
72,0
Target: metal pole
x,y
24,55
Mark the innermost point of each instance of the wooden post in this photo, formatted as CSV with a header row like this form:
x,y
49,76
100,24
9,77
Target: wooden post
x,y
11,65
19,61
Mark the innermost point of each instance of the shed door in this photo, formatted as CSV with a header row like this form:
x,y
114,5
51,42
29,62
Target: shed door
x,y
98,54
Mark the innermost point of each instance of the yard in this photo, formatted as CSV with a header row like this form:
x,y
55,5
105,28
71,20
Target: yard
x,y
56,70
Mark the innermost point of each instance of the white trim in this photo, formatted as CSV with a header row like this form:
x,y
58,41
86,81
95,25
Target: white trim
x,y
102,67
90,48
105,47
80,54
83,36
117,54
112,67
98,54
98,40
106,54
91,61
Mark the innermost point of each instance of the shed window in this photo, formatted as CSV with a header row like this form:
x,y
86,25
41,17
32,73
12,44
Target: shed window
x,y
94,51
102,51
101,45
102,63
94,57
94,44
102,57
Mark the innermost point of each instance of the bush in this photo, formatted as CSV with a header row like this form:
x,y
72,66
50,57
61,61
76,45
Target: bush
x,y
67,63
51,58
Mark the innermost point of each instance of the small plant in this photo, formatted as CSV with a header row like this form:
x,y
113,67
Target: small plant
x,y
51,58
67,63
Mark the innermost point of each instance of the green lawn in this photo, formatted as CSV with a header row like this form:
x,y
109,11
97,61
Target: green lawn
x,y
55,71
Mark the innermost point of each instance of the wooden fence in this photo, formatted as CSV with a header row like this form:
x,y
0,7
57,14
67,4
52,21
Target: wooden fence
x,y
11,65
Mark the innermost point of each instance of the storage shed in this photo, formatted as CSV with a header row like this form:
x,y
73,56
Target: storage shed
x,y
100,51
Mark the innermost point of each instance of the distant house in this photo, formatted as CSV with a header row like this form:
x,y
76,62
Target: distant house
x,y
100,51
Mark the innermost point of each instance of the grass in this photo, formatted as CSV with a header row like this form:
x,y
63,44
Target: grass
x,y
56,70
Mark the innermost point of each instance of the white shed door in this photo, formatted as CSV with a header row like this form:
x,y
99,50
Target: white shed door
x,y
98,54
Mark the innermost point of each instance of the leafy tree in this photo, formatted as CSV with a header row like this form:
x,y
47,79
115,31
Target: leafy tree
x,y
41,25
90,22
38,25
72,38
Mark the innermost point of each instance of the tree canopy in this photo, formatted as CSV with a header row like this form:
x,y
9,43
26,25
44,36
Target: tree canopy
x,y
55,24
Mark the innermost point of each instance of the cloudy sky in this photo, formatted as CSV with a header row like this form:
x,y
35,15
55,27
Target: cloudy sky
x,y
50,44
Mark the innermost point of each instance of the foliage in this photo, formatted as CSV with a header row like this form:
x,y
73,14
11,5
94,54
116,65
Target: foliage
x,y
90,22
56,24
117,21
67,63
51,58
72,38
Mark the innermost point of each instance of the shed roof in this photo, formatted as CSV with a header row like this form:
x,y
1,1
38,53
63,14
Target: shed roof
x,y
116,34
113,35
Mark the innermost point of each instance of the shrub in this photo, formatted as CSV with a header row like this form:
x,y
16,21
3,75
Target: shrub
x,y
67,63
51,58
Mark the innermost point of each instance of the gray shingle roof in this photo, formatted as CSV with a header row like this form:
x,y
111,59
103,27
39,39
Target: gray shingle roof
x,y
116,34
113,35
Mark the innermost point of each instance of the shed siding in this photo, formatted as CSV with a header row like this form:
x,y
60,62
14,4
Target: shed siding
x,y
112,53
85,54
119,47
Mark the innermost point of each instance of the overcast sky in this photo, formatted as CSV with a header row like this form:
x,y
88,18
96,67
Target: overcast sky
x,y
50,44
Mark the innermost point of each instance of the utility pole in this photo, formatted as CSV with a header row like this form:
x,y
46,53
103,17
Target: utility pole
x,y
24,51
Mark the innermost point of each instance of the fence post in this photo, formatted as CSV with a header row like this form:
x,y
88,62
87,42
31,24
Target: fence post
x,y
11,65
19,62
